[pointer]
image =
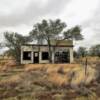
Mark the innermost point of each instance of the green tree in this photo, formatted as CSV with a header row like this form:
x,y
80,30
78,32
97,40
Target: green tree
x,y
1,45
14,42
73,34
95,50
46,31
81,52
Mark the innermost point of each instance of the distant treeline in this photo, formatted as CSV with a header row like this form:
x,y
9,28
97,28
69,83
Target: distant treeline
x,y
92,51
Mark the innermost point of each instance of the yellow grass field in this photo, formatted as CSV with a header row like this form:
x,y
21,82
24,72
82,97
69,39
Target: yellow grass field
x,y
49,81
60,74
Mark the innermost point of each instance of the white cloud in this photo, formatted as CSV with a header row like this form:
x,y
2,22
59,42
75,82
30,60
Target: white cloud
x,y
79,11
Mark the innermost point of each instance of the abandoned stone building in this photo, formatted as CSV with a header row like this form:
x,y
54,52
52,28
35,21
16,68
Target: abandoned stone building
x,y
62,52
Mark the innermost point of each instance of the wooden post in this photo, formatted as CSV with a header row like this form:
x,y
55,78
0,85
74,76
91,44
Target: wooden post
x,y
86,63
86,66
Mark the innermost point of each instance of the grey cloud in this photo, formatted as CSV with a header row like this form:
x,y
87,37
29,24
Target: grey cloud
x,y
32,12
94,24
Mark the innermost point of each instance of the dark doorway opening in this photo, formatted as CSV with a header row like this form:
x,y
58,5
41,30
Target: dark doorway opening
x,y
62,57
36,57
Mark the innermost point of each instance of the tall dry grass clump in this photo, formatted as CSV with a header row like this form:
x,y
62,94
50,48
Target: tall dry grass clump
x,y
6,64
65,74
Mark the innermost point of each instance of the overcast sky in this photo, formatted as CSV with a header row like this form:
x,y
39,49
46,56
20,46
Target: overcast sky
x,y
20,15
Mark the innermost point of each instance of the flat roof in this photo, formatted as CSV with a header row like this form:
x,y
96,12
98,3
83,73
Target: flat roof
x,y
47,45
56,43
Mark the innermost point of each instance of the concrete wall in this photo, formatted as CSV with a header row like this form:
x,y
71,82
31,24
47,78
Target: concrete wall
x,y
33,49
26,48
42,49
70,49
71,55
40,59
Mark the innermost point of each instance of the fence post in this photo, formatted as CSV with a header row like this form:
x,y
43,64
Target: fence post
x,y
86,64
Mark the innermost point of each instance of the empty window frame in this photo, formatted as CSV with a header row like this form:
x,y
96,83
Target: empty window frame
x,y
62,57
45,55
27,55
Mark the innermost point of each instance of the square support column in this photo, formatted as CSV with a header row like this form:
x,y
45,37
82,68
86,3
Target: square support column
x,y
32,57
21,57
71,55
53,59
40,56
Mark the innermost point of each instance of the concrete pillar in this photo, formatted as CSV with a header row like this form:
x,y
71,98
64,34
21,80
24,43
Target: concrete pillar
x,y
32,57
21,57
71,55
53,59
40,56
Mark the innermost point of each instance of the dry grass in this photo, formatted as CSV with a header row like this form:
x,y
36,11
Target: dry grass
x,y
45,81
90,60
64,74
5,64
58,79
50,67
